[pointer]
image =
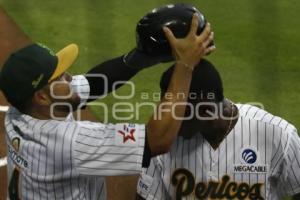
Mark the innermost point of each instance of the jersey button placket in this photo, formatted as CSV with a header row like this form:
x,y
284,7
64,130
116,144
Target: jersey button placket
x,y
213,174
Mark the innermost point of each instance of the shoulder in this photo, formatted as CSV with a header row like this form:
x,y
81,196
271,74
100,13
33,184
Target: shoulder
x,y
255,113
274,129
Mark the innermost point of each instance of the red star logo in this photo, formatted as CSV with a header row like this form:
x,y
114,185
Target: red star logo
x,y
127,134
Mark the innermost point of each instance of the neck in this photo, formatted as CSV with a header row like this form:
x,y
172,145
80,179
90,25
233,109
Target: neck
x,y
215,138
223,127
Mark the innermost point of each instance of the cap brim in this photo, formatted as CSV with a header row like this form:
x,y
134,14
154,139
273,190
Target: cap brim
x,y
66,58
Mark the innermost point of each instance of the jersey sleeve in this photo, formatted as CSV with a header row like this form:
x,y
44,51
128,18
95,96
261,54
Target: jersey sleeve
x,y
288,171
108,150
150,184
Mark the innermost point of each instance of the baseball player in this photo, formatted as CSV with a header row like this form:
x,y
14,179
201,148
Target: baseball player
x,y
65,159
225,150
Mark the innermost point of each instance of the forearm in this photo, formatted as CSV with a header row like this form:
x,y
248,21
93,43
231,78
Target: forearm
x,y
162,129
113,70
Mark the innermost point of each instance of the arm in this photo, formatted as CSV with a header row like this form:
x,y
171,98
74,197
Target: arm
x,y
116,190
97,146
114,70
188,52
121,68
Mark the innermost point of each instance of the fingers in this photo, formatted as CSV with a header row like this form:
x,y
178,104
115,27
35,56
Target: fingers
x,y
208,40
209,50
194,25
206,44
169,35
205,34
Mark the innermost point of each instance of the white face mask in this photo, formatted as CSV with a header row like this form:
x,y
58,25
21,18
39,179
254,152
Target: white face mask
x,y
80,85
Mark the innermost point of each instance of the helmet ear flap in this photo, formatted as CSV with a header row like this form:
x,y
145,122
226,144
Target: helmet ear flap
x,y
150,37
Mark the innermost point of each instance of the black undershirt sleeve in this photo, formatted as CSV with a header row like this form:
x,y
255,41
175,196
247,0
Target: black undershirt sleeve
x,y
114,70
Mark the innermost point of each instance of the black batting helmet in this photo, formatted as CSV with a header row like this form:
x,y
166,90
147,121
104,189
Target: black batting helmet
x,y
149,33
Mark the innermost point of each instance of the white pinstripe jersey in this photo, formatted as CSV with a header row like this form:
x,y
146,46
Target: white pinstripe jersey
x,y
50,159
259,159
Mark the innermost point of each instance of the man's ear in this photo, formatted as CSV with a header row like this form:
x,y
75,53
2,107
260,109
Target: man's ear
x,y
207,111
41,97
227,109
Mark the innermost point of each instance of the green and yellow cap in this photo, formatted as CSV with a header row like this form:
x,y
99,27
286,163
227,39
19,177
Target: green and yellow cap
x,y
31,68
